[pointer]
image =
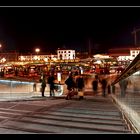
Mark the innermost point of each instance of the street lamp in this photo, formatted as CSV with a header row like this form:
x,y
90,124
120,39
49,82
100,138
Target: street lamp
x,y
37,50
134,32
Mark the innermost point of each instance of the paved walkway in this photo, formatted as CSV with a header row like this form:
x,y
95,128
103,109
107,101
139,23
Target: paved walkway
x,y
92,115
129,105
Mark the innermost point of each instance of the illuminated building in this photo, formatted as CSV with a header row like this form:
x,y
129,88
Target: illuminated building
x,y
65,54
124,54
37,57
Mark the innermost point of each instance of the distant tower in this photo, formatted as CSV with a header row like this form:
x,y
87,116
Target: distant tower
x,y
135,35
89,48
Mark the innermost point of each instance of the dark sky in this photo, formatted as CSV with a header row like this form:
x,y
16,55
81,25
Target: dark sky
x,y
24,28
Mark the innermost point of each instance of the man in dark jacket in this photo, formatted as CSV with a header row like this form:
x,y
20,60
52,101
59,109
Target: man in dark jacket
x,y
70,85
43,86
80,85
104,85
51,80
95,84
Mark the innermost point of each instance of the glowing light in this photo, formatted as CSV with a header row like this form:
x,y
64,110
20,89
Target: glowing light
x,y
37,50
59,77
45,59
3,60
35,57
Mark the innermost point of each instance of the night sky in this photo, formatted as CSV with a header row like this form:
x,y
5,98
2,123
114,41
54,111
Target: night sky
x,y
24,28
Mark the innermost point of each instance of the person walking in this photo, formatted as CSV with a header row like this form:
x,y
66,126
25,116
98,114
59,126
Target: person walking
x,y
51,80
80,86
113,89
123,86
95,85
34,86
43,86
109,89
104,85
70,86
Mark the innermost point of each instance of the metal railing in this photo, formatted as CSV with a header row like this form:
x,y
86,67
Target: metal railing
x,y
15,89
127,94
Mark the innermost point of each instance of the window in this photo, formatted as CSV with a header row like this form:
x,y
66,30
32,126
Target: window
x,y
133,55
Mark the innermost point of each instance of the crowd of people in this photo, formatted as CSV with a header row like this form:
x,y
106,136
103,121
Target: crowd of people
x,y
75,86
49,80
77,83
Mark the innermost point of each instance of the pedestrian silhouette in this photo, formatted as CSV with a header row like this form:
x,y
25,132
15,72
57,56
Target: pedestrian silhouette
x,y
80,86
104,85
95,85
109,89
113,89
51,80
43,86
123,86
34,86
70,86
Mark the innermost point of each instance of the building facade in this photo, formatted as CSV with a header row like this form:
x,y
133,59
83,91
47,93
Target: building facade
x,y
8,57
37,57
124,54
64,54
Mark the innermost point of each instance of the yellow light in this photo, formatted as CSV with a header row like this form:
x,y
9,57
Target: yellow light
x,y
37,50
59,77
